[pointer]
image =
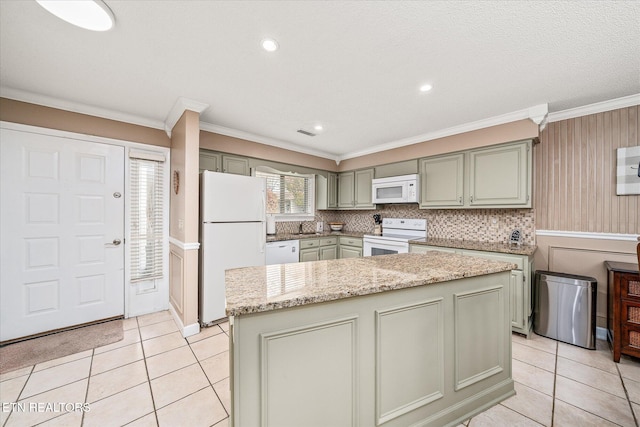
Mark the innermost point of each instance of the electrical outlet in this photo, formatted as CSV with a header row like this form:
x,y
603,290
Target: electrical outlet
x,y
319,227
180,224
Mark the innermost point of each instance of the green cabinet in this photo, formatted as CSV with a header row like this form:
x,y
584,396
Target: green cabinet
x,y
217,162
210,161
520,282
235,165
497,176
442,181
350,247
500,175
318,249
354,189
327,191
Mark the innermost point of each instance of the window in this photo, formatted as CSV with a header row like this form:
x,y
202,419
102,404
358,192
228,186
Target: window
x,y
147,201
290,196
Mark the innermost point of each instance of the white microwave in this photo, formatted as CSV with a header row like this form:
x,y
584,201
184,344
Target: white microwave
x,y
396,189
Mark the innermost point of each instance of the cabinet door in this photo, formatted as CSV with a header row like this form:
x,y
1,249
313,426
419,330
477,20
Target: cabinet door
x,y
321,192
332,190
345,190
235,165
350,252
442,181
309,255
517,299
209,162
499,175
362,190
329,252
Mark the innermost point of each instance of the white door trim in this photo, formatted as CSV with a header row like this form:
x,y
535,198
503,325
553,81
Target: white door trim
x,y
139,298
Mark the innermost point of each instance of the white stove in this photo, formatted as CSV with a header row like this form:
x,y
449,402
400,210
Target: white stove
x,y
396,234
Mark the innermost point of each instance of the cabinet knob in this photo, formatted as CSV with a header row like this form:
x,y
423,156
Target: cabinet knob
x,y
471,198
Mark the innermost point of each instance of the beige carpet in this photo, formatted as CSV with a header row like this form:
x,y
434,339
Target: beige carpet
x,y
49,347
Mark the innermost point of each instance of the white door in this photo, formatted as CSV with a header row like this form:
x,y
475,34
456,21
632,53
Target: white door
x,y
62,231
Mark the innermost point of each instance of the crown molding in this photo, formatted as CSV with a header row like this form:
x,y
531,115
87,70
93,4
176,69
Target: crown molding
x,y
598,107
182,105
527,113
75,107
264,140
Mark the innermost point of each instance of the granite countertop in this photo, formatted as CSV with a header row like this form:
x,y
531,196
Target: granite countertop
x,y
478,246
295,236
272,287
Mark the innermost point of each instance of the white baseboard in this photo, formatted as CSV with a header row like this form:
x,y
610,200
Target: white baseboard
x,y
187,330
601,333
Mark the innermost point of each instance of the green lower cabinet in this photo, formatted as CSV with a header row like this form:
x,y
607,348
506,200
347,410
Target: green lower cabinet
x,y
521,282
350,247
318,249
309,255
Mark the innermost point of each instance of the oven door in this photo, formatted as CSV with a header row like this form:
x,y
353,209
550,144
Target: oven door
x,y
377,246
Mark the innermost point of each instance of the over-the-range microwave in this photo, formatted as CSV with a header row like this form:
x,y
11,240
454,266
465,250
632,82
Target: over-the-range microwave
x,y
396,189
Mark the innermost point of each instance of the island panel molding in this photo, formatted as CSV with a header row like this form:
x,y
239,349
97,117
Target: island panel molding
x,y
475,318
409,345
289,361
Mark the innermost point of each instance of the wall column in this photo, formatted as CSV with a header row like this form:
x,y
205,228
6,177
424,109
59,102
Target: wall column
x,y
184,217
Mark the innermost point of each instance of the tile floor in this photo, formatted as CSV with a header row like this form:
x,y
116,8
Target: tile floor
x,y
155,377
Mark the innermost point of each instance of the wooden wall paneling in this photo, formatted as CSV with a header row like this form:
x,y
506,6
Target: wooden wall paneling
x,y
609,176
615,143
575,174
634,223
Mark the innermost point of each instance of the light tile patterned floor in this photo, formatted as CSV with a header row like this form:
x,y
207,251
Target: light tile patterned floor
x,y
155,377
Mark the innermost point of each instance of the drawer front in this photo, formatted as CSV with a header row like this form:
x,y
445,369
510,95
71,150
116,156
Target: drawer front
x,y
630,286
514,259
630,340
350,241
328,241
630,313
309,243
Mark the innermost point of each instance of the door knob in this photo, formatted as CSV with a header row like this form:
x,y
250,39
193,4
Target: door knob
x,y
116,242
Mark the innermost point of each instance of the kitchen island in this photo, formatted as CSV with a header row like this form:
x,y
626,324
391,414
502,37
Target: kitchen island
x,y
411,339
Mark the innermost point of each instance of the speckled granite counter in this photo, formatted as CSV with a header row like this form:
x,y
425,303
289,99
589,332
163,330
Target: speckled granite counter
x,y
294,236
478,246
257,289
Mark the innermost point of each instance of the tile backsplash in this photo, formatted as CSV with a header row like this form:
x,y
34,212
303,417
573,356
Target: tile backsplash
x,y
483,225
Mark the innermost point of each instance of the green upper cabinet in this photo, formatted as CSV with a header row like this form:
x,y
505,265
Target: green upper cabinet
x,y
235,165
363,189
217,162
327,191
210,161
345,190
442,181
354,189
497,176
500,175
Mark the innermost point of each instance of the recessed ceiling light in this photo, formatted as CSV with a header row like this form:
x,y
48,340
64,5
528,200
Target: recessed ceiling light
x,y
91,15
426,88
318,127
270,45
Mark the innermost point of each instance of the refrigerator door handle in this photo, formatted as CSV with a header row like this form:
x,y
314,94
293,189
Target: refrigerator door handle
x,y
263,238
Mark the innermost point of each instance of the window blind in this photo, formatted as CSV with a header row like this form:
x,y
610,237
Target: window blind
x,y
288,194
147,219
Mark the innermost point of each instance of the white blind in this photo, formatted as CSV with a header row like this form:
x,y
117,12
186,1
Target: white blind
x,y
288,194
146,219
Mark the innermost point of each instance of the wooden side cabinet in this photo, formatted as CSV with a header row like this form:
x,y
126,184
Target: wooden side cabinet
x,y
623,308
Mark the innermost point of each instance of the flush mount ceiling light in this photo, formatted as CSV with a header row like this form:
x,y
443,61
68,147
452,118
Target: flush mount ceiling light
x,y
270,45
426,88
91,15
318,127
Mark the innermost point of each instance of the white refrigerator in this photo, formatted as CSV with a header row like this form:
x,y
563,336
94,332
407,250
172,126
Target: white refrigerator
x,y
232,234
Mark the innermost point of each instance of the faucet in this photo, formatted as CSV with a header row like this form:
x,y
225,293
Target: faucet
x,y
300,228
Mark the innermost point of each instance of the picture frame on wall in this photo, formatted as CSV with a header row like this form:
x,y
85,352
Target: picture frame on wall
x,y
628,171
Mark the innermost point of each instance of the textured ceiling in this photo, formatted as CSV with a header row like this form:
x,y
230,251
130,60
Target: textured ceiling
x,y
353,66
